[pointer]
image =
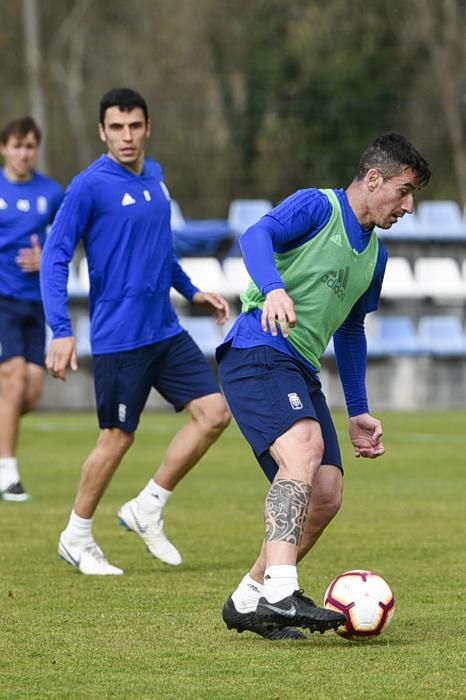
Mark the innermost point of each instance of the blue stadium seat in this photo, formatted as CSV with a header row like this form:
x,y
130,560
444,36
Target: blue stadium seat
x,y
242,214
442,219
392,335
198,237
204,331
442,336
409,227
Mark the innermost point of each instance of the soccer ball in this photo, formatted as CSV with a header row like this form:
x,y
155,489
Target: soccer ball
x,y
366,600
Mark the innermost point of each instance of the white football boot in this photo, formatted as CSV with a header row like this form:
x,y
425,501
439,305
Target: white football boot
x,y
88,559
151,531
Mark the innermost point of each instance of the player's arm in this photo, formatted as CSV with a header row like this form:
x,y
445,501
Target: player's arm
x,y
350,344
288,225
29,259
366,432
257,247
213,302
68,228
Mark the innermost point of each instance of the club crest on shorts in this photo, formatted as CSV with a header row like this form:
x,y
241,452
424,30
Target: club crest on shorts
x,y
295,401
121,412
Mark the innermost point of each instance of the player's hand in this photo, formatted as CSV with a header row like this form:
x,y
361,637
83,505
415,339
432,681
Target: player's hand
x,y
278,309
61,354
214,303
366,433
28,259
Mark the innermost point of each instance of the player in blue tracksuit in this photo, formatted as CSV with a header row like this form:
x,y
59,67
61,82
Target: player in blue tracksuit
x,y
317,269
120,209
28,203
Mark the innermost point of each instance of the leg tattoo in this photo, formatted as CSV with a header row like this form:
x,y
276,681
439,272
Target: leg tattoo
x,y
286,509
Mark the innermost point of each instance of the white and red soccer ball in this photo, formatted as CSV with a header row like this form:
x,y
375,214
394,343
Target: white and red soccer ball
x,y
366,600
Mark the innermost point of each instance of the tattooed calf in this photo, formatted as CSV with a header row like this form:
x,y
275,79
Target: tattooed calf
x,y
286,510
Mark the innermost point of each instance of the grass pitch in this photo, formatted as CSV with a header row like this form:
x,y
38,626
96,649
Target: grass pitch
x,y
156,632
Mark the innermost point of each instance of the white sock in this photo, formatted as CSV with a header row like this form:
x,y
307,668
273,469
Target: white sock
x,y
152,499
9,473
79,530
279,582
247,595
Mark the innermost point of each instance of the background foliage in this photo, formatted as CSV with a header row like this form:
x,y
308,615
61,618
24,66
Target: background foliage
x,y
248,97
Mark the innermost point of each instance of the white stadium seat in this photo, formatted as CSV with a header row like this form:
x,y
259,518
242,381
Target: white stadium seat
x,y
83,275
399,282
236,276
205,273
439,278
75,289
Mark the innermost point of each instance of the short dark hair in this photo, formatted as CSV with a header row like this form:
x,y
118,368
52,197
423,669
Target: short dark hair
x,y
123,98
20,127
390,154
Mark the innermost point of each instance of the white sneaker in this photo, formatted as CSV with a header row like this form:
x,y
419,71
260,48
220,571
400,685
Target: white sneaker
x,y
151,531
89,560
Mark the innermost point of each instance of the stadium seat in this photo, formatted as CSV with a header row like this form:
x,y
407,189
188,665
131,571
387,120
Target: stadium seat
x,y
236,276
392,335
329,350
243,213
204,331
83,275
48,337
439,278
177,220
82,330
399,282
442,336
442,219
75,290
463,271
205,273
407,228
198,236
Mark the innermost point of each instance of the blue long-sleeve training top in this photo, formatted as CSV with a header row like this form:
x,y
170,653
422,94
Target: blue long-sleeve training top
x,y
26,208
123,220
296,220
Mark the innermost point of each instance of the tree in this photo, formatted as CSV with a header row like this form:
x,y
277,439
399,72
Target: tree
x,y
33,70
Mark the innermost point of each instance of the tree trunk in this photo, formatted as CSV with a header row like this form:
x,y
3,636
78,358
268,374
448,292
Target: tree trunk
x,y
33,70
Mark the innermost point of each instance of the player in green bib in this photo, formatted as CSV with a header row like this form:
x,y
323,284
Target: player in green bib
x,y
317,269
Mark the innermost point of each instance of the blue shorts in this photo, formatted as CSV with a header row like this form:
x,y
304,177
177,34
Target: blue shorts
x,y
176,368
22,330
268,392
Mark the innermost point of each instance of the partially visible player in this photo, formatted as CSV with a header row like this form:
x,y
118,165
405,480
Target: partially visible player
x,y
28,203
317,267
120,208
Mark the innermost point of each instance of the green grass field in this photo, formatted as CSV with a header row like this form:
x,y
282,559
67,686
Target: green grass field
x,y
157,632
